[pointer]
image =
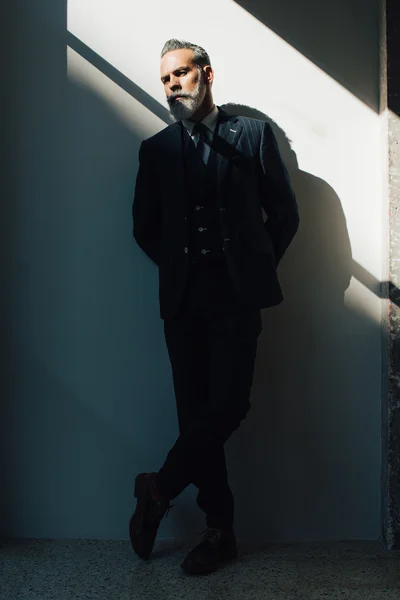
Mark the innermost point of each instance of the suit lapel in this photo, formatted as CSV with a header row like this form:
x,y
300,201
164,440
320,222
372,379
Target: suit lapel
x,y
173,160
224,144
175,135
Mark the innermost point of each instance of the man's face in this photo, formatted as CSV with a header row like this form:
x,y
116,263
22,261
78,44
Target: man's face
x,y
184,84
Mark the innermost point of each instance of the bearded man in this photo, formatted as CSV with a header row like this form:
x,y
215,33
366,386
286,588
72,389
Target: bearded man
x,y
201,188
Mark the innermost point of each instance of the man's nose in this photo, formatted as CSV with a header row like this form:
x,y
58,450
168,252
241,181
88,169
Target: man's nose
x,y
174,84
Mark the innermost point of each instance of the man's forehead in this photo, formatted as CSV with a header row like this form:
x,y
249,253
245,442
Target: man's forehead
x,y
176,58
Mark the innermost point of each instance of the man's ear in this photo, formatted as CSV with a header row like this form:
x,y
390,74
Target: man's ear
x,y
208,74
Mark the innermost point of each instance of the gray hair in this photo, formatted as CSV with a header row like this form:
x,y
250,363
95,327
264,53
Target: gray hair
x,y
201,58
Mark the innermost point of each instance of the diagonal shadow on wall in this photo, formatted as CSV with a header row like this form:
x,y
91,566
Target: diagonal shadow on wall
x,y
154,106
316,273
86,304
117,77
339,36
305,354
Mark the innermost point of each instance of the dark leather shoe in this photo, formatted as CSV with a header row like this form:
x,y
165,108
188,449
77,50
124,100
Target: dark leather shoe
x,y
145,521
216,548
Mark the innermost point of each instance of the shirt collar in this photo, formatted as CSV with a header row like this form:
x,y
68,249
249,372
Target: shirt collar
x,y
210,121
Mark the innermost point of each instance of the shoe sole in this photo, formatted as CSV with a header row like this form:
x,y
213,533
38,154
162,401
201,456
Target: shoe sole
x,y
136,522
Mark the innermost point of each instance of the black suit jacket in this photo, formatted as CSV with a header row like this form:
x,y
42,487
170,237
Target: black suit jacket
x,y
251,177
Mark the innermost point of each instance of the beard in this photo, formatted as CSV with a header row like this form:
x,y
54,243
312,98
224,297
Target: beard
x,y
188,104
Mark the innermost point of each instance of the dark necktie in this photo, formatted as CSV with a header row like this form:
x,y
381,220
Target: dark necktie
x,y
201,131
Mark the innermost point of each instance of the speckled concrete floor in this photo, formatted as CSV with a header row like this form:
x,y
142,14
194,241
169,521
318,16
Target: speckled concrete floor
x,y
109,570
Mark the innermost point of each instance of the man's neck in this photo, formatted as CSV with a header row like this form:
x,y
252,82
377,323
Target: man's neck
x,y
203,111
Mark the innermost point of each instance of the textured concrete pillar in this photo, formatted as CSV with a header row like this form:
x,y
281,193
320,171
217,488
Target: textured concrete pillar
x,y
390,87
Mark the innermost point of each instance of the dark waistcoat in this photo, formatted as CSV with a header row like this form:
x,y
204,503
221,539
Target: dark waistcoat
x,y
206,238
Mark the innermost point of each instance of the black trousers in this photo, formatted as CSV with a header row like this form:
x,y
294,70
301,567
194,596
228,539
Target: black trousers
x,y
212,347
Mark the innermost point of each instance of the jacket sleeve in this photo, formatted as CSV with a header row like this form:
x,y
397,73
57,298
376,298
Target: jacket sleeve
x,y
278,199
147,207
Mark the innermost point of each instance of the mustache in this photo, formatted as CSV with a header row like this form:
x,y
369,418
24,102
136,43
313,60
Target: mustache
x,y
171,99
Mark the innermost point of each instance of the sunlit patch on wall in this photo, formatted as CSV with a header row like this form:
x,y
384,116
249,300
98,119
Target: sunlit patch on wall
x,y
133,114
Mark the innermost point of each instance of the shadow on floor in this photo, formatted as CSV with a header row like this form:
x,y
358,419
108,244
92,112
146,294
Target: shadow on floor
x,y
33,570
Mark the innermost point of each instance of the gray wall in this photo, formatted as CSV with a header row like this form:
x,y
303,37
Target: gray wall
x,y
88,398
340,36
